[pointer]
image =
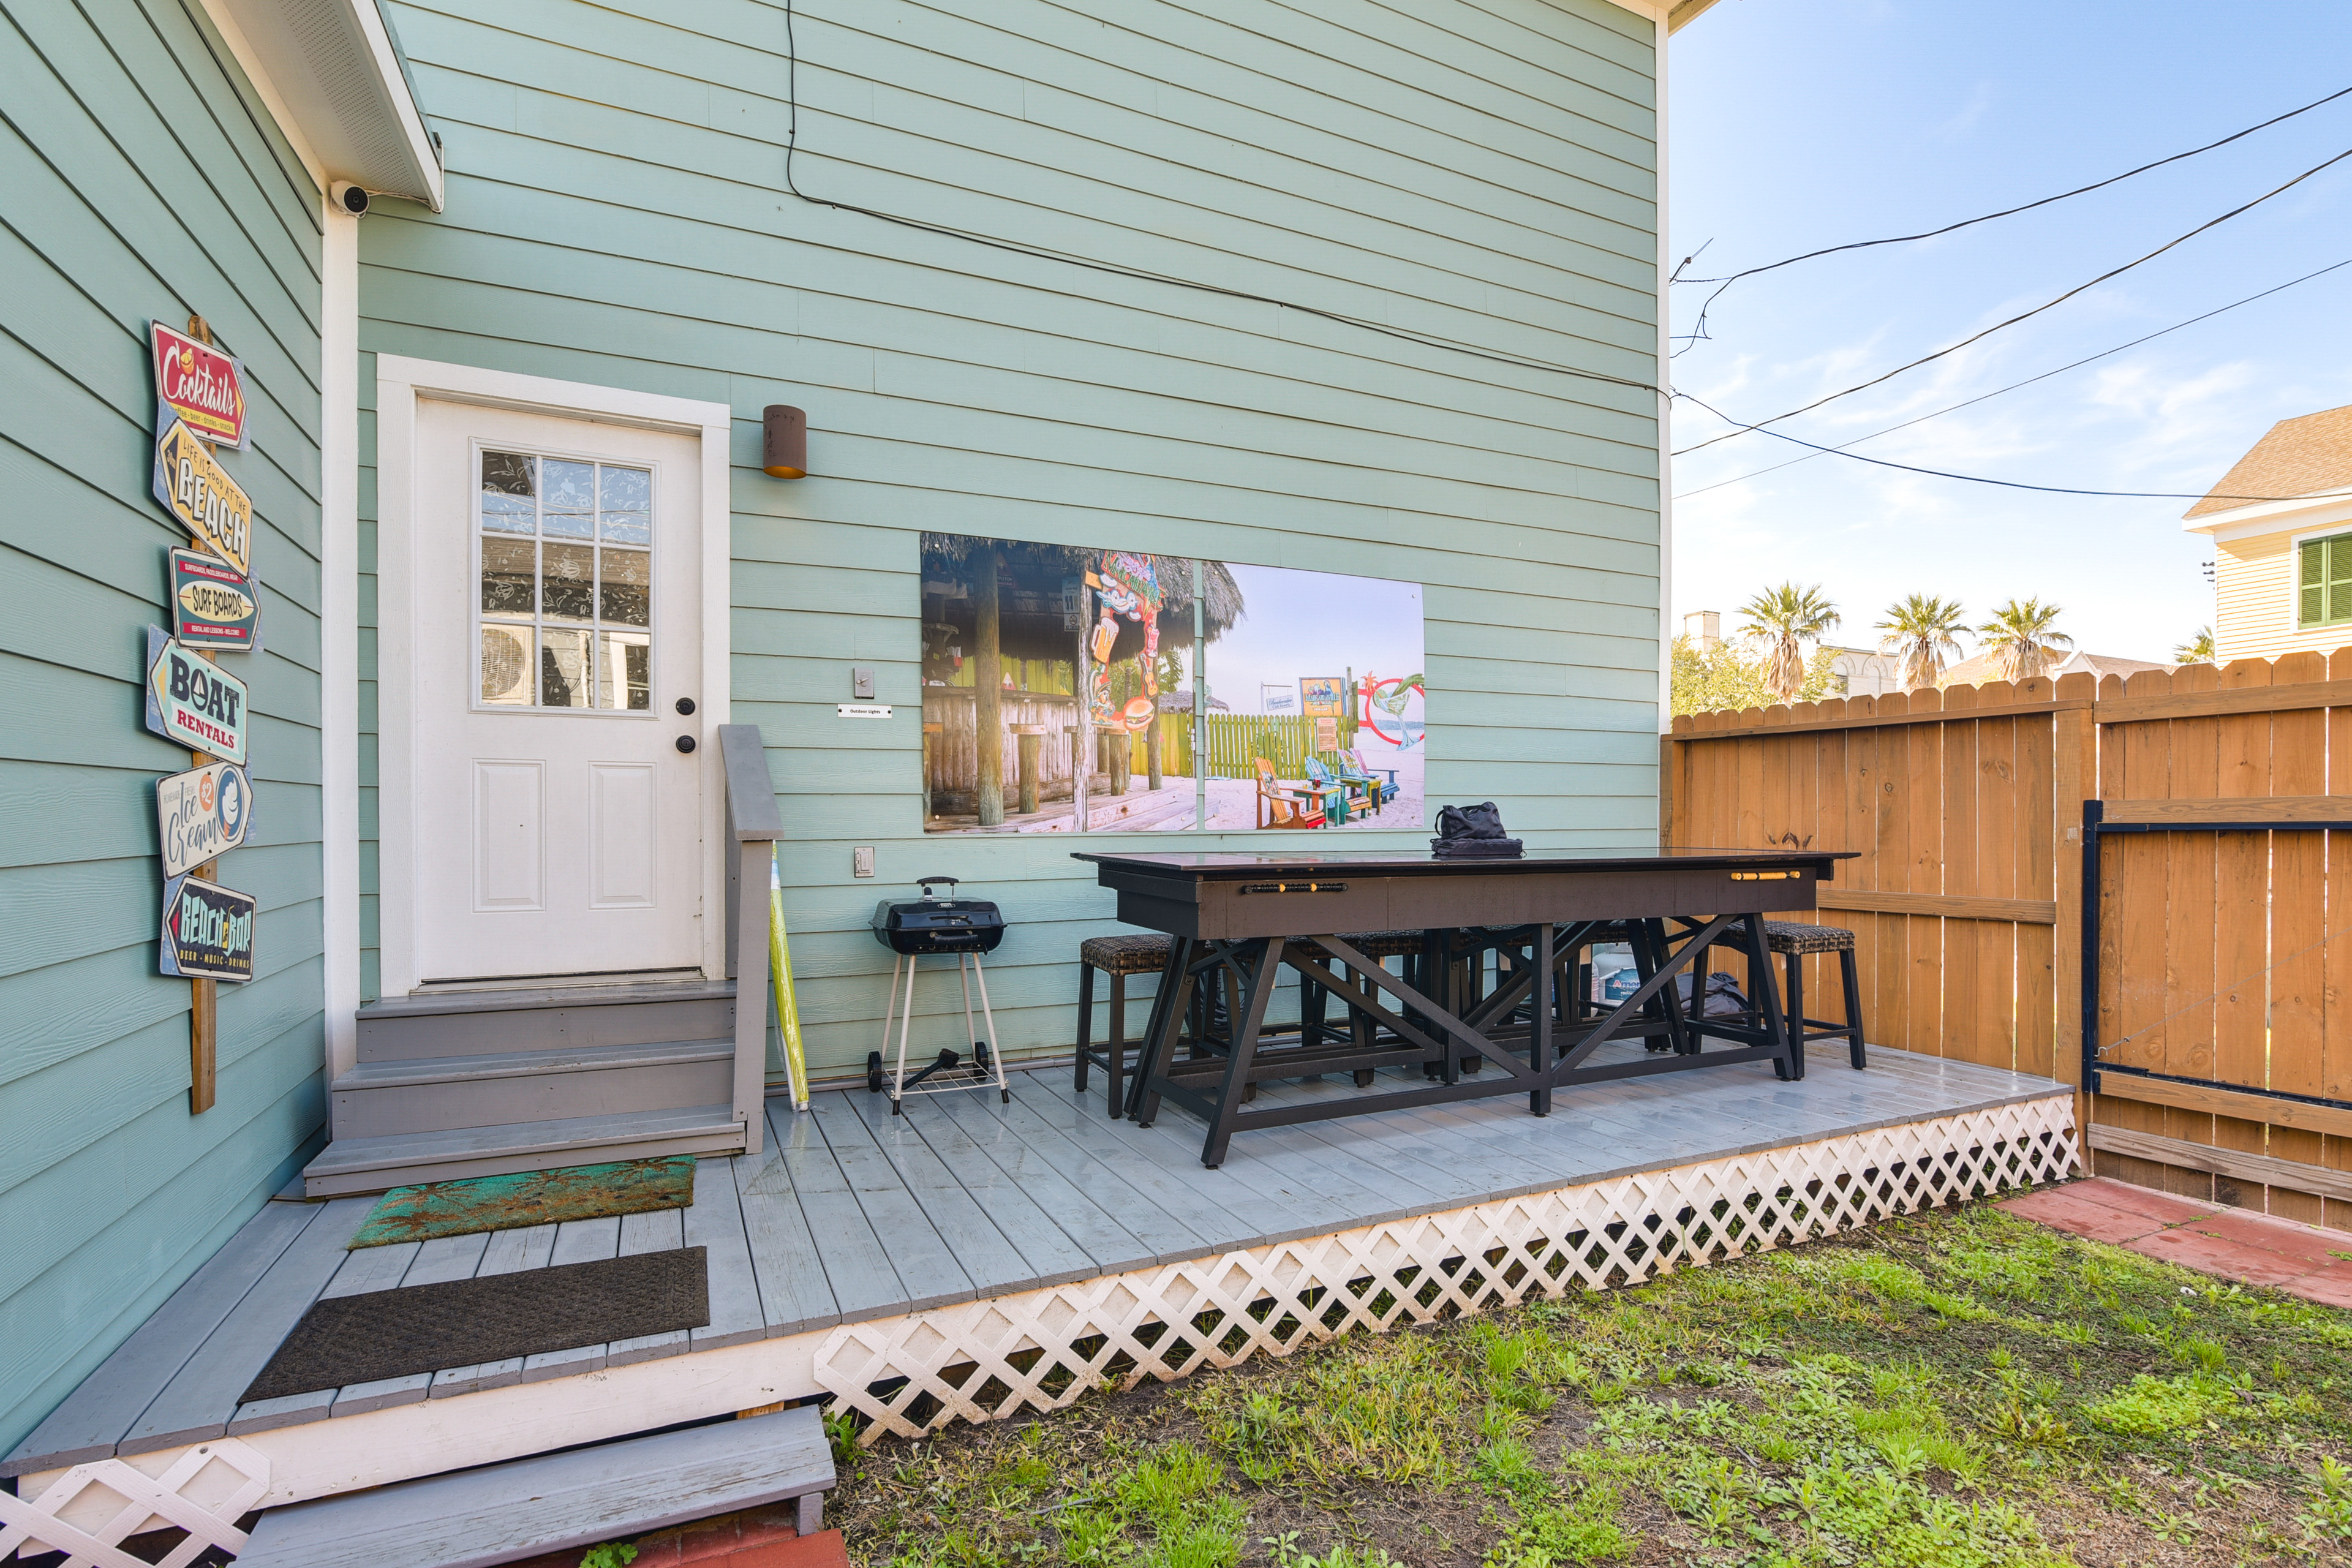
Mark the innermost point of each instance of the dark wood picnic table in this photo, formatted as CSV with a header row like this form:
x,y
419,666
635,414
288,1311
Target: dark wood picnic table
x,y
1482,985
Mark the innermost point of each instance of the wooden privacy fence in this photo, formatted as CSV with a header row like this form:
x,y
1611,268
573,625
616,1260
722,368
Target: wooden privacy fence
x,y
2218,1001
1236,740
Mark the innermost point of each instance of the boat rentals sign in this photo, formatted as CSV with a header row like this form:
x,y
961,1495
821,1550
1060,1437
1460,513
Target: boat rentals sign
x,y
207,931
202,815
190,701
201,385
214,607
199,493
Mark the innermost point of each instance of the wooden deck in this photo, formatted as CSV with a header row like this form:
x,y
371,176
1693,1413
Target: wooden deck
x,y
851,1216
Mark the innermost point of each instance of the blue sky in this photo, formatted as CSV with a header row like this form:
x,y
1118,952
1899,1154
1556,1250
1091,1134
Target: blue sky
x,y
1313,623
1802,123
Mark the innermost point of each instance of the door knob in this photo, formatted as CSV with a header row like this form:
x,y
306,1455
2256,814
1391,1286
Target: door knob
x,y
686,742
685,706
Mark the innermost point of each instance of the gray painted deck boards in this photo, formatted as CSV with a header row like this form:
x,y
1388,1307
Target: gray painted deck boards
x,y
851,1214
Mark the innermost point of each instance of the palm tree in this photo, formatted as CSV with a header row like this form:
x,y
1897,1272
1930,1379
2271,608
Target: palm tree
x,y
2020,637
2197,650
1787,616
1919,627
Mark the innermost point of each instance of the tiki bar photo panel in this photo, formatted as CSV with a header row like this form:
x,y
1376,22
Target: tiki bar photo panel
x,y
1069,690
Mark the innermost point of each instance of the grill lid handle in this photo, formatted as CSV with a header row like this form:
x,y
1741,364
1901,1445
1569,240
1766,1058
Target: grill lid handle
x,y
925,883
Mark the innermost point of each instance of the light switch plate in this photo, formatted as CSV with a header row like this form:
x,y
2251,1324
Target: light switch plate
x,y
861,682
861,861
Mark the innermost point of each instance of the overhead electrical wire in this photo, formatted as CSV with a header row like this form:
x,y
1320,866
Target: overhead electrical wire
x,y
1729,278
1429,339
2027,315
2076,365
2005,484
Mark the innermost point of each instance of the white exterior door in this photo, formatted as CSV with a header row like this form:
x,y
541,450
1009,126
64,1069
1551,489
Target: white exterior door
x,y
558,656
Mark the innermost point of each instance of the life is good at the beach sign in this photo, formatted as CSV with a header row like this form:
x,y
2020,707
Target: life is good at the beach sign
x,y
200,494
202,815
192,703
201,385
207,931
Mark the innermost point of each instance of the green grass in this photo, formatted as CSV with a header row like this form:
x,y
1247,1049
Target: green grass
x,y
1949,1390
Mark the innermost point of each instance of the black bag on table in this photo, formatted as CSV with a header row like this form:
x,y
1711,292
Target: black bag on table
x,y
1473,832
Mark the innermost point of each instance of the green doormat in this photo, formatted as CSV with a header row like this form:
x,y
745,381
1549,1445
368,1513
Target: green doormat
x,y
531,1197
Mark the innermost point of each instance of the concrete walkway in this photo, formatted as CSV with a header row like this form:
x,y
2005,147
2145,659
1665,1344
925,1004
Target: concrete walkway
x,y
2212,1238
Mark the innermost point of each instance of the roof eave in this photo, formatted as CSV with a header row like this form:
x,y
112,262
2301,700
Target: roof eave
x,y
335,68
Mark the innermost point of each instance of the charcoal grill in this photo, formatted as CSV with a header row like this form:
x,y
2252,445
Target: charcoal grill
x,y
931,926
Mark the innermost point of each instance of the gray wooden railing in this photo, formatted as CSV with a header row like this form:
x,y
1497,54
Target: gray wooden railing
x,y
754,826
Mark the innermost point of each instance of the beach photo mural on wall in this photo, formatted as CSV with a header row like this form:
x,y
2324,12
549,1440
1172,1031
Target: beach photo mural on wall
x,y
1069,690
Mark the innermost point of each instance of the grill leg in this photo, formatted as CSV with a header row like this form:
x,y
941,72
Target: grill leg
x,y
995,1046
906,1023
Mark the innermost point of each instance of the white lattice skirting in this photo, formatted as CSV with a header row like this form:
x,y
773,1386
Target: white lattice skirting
x,y
205,1491
983,1361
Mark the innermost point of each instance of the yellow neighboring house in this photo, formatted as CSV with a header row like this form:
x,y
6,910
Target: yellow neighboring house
x,y
2282,569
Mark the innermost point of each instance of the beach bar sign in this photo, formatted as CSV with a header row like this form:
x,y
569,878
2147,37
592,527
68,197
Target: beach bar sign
x,y
201,385
207,931
202,815
191,702
198,492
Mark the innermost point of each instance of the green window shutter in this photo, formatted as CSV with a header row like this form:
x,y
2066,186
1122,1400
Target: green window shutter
x,y
2339,577
2312,608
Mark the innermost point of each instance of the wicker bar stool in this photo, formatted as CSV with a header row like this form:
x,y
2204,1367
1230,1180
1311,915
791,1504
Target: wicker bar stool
x,y
1119,957
1375,945
1793,940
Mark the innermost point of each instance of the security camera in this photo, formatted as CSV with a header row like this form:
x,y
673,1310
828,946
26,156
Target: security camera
x,y
348,197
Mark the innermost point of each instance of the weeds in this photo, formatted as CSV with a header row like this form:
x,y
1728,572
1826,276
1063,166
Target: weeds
x,y
1957,1389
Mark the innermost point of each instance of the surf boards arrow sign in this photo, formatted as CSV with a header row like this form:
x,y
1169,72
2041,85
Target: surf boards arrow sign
x,y
214,607
207,931
199,493
201,814
190,701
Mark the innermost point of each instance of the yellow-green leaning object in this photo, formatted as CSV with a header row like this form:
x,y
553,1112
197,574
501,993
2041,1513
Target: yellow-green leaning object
x,y
780,974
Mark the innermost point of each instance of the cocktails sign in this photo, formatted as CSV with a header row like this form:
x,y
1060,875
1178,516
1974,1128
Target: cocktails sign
x,y
214,607
198,492
202,815
201,385
207,931
190,701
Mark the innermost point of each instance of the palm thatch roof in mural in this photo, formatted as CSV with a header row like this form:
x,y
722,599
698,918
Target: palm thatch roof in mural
x,y
1031,577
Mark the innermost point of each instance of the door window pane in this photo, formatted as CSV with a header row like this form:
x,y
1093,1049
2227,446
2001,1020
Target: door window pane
x,y
626,588
564,673
624,679
566,584
506,665
507,577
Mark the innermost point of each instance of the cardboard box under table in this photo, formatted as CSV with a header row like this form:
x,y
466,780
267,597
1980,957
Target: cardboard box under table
x,y
1486,990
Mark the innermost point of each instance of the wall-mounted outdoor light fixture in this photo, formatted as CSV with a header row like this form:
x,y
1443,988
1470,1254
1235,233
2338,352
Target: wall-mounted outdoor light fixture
x,y
783,447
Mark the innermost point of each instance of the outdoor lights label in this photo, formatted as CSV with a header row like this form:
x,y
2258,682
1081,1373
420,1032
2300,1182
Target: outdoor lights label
x,y
190,701
202,813
207,931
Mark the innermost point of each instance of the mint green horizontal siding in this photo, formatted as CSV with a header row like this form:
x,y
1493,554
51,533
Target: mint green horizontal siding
x,y
143,180
1480,172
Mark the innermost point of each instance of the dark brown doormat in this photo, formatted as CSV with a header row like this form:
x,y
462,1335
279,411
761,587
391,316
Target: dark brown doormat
x,y
358,1338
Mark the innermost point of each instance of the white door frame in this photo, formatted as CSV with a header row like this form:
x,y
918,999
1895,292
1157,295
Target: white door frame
x,y
400,382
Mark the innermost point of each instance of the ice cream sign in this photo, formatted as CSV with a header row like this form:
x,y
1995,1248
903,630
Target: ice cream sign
x,y
192,701
202,815
202,385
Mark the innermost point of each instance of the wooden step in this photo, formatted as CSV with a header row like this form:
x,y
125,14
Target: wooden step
x,y
351,1165
503,1513
497,1023
430,1094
